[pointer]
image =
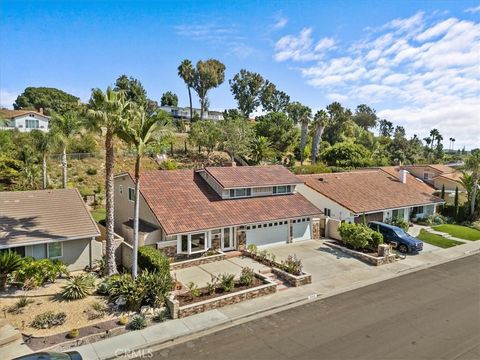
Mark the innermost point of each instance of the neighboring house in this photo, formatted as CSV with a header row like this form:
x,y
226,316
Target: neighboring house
x,y
54,224
23,120
440,176
184,212
371,194
183,113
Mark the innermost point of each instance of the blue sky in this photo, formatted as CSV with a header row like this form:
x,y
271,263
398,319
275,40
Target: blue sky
x,y
416,62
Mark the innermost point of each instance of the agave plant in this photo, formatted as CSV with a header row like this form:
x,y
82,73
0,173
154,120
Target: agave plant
x,y
78,287
9,262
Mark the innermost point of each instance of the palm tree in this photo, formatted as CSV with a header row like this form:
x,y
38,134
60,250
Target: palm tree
x,y
261,149
106,115
473,164
43,142
64,128
187,73
9,262
434,133
140,130
305,117
319,122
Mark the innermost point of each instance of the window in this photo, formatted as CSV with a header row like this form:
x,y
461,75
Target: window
x,y
308,219
327,211
254,226
185,243
198,242
240,192
275,224
270,224
417,210
131,194
54,250
264,225
294,221
32,123
248,227
398,214
120,189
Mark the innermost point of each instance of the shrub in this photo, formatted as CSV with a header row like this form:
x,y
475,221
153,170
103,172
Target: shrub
x,y
262,255
138,322
151,259
97,310
126,287
33,273
227,282
311,169
9,262
160,315
247,276
123,319
74,333
78,287
168,165
359,236
401,223
193,290
91,171
48,319
103,288
252,248
292,265
18,307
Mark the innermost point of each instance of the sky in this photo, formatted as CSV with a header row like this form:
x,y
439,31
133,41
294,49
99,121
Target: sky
x,y
416,62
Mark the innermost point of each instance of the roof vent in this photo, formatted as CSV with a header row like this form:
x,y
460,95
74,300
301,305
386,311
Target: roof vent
x,y
320,179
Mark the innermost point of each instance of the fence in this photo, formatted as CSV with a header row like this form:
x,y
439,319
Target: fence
x,y
73,156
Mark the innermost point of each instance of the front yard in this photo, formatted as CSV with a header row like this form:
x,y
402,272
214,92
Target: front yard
x,y
437,240
458,231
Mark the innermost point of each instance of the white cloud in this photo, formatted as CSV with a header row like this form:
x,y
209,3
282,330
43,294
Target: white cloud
x,y
473,10
418,71
301,47
7,98
280,23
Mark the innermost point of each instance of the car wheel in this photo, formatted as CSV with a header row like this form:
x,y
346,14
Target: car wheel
x,y
403,248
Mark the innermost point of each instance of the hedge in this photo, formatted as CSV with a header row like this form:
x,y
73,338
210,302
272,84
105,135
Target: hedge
x,y
153,260
360,236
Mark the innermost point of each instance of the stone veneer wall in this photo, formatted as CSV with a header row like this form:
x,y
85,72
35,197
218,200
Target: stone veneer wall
x,y
369,259
293,280
197,261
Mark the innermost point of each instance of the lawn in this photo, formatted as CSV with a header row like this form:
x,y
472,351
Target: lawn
x,y
437,240
458,231
98,214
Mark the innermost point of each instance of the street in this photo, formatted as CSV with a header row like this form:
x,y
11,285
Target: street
x,y
430,314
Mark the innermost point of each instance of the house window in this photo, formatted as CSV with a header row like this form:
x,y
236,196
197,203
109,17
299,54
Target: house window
x,y
327,211
254,226
198,242
32,123
54,250
426,176
398,214
270,224
131,194
185,243
417,210
281,189
240,192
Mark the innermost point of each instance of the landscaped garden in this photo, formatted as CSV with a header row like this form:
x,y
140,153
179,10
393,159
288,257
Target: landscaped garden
x,y
459,231
437,240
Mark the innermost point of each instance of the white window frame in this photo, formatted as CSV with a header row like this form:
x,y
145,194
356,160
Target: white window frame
x,y
189,243
35,121
61,250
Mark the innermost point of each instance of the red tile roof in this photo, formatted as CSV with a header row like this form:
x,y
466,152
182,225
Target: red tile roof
x,y
11,114
245,176
183,202
443,169
371,190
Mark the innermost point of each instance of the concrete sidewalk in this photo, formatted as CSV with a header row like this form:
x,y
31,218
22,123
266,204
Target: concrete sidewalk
x,y
168,331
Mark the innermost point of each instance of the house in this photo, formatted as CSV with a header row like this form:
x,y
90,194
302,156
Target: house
x,y
23,120
54,224
441,176
370,194
184,212
183,113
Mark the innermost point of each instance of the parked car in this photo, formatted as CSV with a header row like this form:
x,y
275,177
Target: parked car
x,y
405,243
69,355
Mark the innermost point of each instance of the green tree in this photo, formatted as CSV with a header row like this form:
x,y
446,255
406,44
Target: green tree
x,y
64,128
187,73
472,164
108,111
365,117
10,170
48,99
246,87
140,130
205,133
385,127
133,90
207,75
261,149
43,143
347,155
9,262
302,115
237,135
279,129
272,99
338,119
319,122
169,99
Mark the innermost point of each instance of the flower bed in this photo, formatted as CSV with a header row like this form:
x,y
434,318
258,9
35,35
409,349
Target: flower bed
x,y
370,258
179,307
197,261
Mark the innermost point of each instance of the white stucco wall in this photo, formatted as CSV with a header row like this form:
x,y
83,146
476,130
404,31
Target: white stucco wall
x,y
21,122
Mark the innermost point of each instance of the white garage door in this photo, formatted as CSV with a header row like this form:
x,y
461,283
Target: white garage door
x,y
301,230
267,234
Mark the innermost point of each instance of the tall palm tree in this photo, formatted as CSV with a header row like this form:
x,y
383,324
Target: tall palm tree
x,y
434,133
187,73
473,164
43,142
319,122
261,149
305,117
139,130
64,128
107,114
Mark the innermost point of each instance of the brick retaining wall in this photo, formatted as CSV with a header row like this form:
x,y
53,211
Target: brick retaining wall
x,y
369,259
198,261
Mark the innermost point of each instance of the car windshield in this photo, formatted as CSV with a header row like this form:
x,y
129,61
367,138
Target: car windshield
x,y
399,232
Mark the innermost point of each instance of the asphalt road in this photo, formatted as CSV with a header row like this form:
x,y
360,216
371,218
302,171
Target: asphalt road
x,y
431,314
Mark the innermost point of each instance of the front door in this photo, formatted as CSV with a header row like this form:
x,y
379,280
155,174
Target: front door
x,y
228,242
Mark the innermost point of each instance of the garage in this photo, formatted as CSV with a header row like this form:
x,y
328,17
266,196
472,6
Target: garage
x,y
301,229
267,233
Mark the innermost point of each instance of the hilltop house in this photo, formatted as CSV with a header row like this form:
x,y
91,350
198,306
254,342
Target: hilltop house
x,y
23,120
370,195
53,224
184,212
183,113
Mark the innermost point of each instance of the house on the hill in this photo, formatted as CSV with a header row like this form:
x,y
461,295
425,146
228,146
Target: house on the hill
x,y
23,120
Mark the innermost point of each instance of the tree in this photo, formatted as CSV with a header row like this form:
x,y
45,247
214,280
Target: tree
x,y
434,134
246,87
338,120
43,142
261,149
365,117
64,128
108,111
473,164
385,127
9,262
399,132
169,99
133,90
187,73
237,135
302,115
347,155
273,100
48,99
207,75
319,122
10,170
442,194
205,133
139,130
279,129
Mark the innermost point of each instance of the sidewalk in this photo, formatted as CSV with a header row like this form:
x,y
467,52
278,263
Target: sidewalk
x,y
174,329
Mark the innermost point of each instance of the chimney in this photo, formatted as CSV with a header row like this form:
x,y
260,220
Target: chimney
x,y
402,176
230,164
40,111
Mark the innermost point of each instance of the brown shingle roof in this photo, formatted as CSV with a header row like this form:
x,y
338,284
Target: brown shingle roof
x,y
10,114
183,202
371,190
443,169
28,217
244,176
